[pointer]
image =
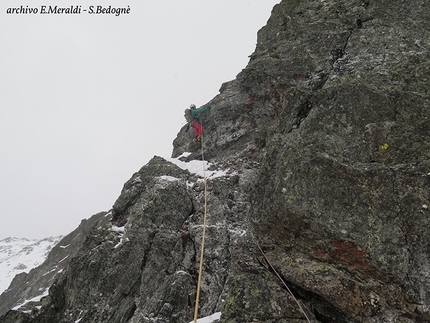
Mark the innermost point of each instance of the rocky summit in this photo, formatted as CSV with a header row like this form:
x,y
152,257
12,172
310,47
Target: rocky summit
x,y
317,188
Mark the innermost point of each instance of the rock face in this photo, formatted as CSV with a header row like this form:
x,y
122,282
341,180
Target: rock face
x,y
324,144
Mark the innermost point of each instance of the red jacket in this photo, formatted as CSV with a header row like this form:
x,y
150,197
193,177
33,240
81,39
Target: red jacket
x,y
198,129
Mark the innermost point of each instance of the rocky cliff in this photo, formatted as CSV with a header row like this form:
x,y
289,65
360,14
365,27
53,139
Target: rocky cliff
x,y
319,153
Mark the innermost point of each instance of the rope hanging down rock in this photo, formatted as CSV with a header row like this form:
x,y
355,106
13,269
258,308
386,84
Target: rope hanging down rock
x,y
282,281
196,309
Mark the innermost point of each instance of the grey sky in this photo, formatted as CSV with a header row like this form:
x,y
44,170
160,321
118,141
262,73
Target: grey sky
x,y
86,100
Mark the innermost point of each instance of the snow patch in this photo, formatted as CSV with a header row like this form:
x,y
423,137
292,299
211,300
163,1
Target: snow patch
x,y
185,154
121,233
209,319
190,184
168,178
118,229
136,181
34,299
198,167
164,181
18,255
64,258
181,272
239,232
52,270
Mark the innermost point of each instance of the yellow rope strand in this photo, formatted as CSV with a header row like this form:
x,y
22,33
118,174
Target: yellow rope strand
x,y
196,309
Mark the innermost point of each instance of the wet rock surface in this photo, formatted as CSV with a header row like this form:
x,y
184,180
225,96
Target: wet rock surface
x,y
323,143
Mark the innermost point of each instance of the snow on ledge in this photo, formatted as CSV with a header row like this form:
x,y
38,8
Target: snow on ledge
x,y
34,299
118,229
197,167
209,319
168,178
121,232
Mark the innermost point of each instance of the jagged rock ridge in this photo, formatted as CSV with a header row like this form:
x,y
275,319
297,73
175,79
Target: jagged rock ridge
x,y
324,140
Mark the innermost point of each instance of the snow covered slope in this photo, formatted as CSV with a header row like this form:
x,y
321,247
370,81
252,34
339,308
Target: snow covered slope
x,y
19,255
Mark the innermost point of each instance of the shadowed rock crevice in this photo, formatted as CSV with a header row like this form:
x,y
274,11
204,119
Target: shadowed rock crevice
x,y
313,304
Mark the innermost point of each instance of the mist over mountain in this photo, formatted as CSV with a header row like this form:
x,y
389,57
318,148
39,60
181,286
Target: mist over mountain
x,y
315,182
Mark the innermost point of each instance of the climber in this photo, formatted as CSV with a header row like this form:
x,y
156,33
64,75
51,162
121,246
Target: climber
x,y
193,114
198,132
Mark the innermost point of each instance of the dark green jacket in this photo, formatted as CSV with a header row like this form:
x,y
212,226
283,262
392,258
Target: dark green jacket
x,y
195,113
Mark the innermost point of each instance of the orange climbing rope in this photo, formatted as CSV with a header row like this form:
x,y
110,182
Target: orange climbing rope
x,y
196,309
